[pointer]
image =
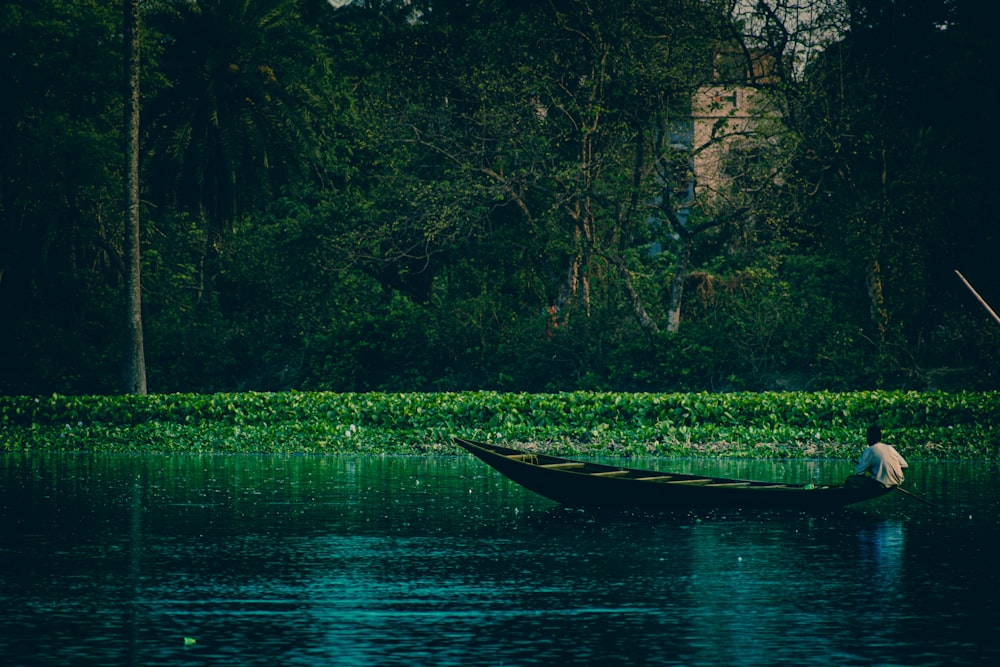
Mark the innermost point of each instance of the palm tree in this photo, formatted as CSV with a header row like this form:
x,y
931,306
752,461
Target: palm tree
x,y
246,88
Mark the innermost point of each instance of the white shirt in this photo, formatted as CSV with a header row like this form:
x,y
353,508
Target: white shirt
x,y
884,463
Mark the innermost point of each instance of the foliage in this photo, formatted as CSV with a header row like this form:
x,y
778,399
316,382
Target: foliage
x,y
764,425
887,178
59,192
494,195
239,116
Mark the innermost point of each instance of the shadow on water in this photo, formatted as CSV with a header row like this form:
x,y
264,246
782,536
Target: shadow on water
x,y
300,560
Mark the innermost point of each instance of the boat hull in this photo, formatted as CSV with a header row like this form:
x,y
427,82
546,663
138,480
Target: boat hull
x,y
581,484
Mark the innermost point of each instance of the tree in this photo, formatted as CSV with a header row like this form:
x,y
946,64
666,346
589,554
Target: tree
x,y
241,115
60,196
549,125
885,164
134,373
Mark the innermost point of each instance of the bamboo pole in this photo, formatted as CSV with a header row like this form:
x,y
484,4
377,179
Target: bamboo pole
x,y
978,298
914,496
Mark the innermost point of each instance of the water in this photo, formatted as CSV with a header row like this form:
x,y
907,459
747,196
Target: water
x,y
300,560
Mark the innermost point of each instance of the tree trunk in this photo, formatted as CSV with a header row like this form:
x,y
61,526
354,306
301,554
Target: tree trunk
x,y
677,285
876,296
876,300
642,316
134,370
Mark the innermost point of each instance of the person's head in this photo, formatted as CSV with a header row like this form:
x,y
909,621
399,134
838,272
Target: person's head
x,y
874,434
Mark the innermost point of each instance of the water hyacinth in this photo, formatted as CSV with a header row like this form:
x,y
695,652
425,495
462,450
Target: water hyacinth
x,y
933,425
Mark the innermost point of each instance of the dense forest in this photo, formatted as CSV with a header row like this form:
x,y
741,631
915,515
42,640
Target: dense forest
x,y
442,195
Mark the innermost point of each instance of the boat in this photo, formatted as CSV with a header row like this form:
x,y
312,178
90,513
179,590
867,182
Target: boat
x,y
588,484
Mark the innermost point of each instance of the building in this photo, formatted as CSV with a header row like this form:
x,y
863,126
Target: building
x,y
727,111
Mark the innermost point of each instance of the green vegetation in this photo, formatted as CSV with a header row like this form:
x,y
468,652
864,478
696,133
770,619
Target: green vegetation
x,y
754,425
444,195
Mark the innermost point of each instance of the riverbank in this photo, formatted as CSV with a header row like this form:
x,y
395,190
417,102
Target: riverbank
x,y
785,425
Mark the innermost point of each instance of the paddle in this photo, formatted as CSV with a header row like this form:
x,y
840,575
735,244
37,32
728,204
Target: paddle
x,y
915,496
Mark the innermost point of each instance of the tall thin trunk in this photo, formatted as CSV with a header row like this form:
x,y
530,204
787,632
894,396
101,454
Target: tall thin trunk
x,y
134,370
677,285
642,316
876,296
876,300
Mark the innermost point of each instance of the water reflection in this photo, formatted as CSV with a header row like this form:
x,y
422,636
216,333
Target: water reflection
x,y
298,560
880,554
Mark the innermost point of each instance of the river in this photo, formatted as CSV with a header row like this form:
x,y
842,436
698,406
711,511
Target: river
x,y
437,560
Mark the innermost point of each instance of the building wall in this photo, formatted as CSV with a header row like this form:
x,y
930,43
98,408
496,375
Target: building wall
x,y
720,115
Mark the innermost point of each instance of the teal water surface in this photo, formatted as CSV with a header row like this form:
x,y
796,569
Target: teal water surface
x,y
353,560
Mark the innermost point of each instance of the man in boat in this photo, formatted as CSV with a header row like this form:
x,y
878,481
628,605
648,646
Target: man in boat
x,y
881,461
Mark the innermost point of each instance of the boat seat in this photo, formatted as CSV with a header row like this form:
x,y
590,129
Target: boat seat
x,y
562,466
692,481
610,473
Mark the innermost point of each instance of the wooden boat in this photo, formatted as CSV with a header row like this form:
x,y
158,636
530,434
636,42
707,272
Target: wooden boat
x,y
586,484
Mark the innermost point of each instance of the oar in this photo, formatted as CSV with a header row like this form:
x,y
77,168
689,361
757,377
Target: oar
x,y
915,496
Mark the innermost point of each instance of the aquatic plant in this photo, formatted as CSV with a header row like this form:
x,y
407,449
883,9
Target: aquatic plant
x,y
758,425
